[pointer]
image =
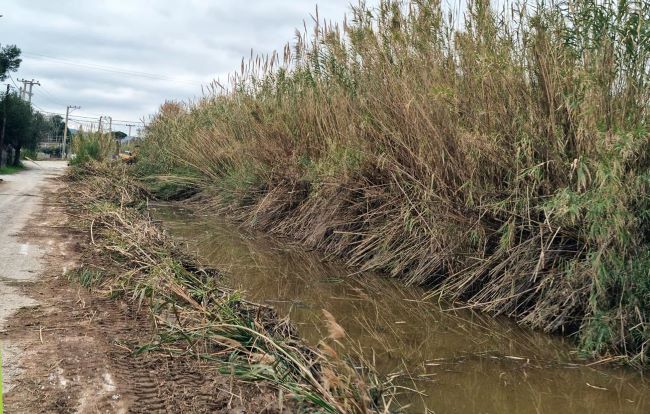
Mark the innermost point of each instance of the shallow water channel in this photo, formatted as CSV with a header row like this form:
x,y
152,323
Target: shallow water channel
x,y
458,360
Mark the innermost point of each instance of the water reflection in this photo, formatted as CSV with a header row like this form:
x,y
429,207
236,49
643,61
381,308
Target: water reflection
x,y
462,362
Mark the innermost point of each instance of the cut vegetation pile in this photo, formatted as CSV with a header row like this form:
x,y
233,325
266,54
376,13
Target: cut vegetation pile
x,y
129,256
500,158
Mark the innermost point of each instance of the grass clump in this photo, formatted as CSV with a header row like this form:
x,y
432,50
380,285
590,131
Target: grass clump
x,y
92,146
87,276
500,157
11,169
194,314
170,187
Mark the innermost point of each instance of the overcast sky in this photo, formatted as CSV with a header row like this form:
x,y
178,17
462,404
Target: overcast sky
x,y
124,58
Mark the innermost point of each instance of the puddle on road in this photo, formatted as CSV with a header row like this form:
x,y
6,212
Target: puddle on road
x,y
461,361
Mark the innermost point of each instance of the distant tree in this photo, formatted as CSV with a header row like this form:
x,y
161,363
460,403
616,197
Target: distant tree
x,y
24,128
57,126
41,126
57,123
9,60
119,135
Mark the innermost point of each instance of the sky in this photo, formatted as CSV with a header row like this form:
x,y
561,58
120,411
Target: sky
x,y
123,58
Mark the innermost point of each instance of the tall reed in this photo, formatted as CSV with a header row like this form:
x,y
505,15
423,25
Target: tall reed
x,y
89,146
500,157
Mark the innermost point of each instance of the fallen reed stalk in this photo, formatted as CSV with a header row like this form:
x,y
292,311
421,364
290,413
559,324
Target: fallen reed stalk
x,y
129,256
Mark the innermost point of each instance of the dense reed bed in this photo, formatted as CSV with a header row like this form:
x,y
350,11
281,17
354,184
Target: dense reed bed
x,y
195,316
500,157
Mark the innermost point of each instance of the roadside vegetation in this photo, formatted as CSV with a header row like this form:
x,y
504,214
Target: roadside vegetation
x,y
195,316
92,146
18,122
500,158
11,169
23,129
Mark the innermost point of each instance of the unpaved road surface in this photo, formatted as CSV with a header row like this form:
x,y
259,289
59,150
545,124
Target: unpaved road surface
x,y
20,262
70,350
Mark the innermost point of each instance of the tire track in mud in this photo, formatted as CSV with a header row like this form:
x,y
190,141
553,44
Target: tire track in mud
x,y
75,349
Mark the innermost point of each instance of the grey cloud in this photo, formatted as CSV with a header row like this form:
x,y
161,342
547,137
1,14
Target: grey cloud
x,y
190,42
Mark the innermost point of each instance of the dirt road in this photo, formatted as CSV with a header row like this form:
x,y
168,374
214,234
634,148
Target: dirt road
x,y
70,350
20,197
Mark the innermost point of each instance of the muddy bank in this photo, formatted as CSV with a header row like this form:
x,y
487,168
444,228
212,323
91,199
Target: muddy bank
x,y
136,301
72,352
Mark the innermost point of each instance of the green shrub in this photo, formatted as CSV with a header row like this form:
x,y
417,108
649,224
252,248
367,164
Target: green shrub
x,y
91,146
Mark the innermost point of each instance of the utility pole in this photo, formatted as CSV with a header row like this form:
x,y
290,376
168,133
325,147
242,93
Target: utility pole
x,y
110,134
31,84
4,122
130,125
64,155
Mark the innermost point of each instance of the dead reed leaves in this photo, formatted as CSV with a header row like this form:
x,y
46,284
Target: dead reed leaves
x,y
196,316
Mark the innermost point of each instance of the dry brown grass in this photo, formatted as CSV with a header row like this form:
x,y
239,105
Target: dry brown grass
x,y
194,315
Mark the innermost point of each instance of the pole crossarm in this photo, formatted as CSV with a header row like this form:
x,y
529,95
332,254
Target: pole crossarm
x,y
24,91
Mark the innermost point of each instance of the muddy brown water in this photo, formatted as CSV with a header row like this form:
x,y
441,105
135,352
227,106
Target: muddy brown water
x,y
457,360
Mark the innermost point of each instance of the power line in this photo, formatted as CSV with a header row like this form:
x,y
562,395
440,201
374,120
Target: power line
x,y
77,121
48,99
12,81
90,123
51,98
124,120
118,121
57,103
113,69
39,108
76,118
